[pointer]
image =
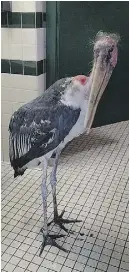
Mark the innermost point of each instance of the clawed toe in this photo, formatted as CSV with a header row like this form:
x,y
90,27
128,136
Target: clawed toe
x,y
50,240
59,220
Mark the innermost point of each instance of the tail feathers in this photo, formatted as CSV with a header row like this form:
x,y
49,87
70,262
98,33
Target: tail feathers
x,y
18,172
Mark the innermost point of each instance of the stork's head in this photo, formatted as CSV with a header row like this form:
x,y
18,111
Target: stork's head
x,y
105,60
105,49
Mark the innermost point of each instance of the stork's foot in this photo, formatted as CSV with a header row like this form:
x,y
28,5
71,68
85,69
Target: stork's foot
x,y
59,220
50,240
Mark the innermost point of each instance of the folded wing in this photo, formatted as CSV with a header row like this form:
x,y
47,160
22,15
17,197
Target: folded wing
x,y
35,130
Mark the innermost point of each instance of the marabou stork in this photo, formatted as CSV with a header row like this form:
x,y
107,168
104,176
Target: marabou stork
x,y
64,111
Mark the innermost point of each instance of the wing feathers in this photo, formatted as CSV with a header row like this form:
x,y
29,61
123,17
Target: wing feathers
x,y
38,131
19,145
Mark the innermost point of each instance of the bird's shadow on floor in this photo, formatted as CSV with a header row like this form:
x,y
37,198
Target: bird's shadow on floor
x,y
97,140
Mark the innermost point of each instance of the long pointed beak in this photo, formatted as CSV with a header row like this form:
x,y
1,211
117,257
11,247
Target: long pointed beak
x,y
99,80
105,60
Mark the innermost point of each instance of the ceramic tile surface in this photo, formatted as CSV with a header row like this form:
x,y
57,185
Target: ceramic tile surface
x,y
93,186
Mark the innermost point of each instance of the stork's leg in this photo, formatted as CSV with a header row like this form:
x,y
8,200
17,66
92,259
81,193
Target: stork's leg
x,y
53,181
44,196
58,219
48,239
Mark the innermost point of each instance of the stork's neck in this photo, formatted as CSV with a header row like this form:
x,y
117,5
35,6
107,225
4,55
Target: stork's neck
x,y
77,93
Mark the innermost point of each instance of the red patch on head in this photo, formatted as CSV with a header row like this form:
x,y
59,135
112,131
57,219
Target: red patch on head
x,y
81,78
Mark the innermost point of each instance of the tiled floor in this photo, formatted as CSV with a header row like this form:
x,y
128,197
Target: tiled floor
x,y
93,185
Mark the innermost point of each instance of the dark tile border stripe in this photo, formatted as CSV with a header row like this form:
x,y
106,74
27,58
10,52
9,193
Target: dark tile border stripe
x,y
23,19
32,68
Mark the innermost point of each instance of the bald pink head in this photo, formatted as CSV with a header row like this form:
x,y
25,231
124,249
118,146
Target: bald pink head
x,y
105,47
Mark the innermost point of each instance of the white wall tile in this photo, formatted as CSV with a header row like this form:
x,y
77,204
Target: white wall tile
x,y
41,43
16,52
5,133
5,43
42,83
39,6
15,35
5,35
44,36
8,80
29,83
17,6
23,36
41,36
6,95
4,78
2,151
19,82
29,6
16,106
44,39
5,144
30,52
44,6
29,36
24,96
6,154
41,54
5,119
24,44
28,95
5,51
6,106
18,96
23,6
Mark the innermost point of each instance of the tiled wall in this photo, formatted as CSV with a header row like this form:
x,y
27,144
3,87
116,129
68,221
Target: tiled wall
x,y
23,54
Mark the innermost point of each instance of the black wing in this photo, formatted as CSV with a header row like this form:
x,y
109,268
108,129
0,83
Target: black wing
x,y
39,127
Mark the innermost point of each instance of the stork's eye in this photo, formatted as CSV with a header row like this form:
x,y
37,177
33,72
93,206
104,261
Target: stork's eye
x,y
111,49
97,51
108,57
